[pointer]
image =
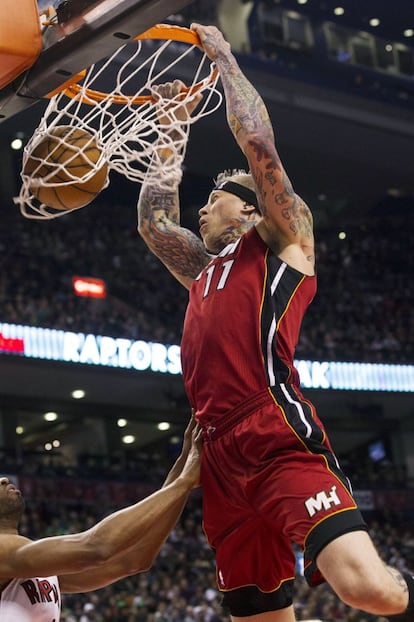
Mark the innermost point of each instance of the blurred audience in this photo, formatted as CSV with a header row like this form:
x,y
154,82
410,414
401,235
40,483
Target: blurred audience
x,y
39,259
142,465
363,308
362,312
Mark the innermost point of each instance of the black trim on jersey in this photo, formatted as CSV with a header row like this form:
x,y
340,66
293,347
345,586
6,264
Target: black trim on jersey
x,y
274,307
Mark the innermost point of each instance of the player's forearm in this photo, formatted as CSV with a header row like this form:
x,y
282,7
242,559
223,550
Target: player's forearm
x,y
180,250
142,555
146,523
246,112
157,208
138,558
116,533
175,470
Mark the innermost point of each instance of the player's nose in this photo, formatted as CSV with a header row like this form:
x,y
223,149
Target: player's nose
x,y
4,481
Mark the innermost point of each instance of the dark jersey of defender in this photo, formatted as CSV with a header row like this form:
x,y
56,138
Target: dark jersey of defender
x,y
241,326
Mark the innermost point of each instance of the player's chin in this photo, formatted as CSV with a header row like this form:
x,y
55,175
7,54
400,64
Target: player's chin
x,y
204,237
209,245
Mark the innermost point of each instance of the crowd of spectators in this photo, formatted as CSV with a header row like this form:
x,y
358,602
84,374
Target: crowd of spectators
x,y
181,585
362,312
149,464
363,308
40,259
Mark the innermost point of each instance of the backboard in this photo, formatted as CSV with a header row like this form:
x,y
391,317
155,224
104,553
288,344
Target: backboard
x,y
86,32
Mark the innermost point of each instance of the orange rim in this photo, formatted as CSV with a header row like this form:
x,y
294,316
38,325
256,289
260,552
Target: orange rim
x,y
163,32
168,31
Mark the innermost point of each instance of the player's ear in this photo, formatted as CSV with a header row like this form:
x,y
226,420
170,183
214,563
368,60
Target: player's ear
x,y
249,209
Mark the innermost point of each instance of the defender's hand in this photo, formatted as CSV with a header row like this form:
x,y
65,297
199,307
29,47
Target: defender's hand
x,y
191,469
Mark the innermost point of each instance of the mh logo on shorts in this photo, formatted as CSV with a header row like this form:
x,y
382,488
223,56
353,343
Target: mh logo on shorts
x,y
322,501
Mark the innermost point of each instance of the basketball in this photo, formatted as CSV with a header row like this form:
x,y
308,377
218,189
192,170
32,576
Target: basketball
x,y
62,157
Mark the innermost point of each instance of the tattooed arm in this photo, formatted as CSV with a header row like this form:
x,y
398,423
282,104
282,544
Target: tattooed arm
x,y
286,217
180,250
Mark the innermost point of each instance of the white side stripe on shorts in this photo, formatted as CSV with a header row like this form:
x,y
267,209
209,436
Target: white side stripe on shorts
x,y
300,410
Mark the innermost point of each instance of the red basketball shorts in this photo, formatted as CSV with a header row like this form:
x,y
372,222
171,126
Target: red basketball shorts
x,y
270,479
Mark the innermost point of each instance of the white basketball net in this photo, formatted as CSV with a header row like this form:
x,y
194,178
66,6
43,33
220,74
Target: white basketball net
x,y
129,135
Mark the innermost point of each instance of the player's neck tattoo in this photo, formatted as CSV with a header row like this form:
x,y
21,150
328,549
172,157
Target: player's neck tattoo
x,y
232,233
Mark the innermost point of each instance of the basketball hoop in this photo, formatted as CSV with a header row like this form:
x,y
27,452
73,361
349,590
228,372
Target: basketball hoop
x,y
124,118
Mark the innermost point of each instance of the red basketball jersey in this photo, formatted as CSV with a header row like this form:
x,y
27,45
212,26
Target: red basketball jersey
x,y
241,327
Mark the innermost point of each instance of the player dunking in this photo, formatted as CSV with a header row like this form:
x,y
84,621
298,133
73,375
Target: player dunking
x,y
269,475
